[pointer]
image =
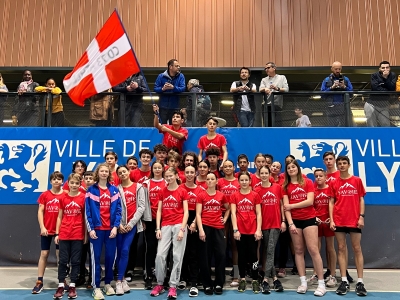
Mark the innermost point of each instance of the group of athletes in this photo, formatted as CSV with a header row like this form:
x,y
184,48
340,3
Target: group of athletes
x,y
192,207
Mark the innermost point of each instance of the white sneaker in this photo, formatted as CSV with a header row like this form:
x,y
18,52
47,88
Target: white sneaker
x,y
97,294
108,290
118,288
332,282
320,291
313,280
125,286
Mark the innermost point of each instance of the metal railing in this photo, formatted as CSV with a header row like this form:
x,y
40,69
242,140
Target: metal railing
x,y
324,109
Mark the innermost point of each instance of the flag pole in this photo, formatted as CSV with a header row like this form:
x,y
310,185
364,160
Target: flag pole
x,y
140,68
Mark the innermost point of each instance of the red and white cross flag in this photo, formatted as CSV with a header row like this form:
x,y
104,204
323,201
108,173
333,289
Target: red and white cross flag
x,y
108,61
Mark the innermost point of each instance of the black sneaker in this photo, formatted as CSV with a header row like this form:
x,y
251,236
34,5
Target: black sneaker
x,y
343,288
256,286
349,278
148,284
327,274
295,271
218,290
265,287
360,289
278,287
129,276
242,286
208,291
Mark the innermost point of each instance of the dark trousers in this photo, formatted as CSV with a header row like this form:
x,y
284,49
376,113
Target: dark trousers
x,y
190,265
214,245
151,243
70,251
133,253
247,253
284,246
84,256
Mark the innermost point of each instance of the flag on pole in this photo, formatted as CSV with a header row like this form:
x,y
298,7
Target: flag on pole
x,y
108,61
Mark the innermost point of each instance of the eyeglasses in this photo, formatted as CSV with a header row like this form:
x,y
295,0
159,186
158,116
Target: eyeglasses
x,y
267,68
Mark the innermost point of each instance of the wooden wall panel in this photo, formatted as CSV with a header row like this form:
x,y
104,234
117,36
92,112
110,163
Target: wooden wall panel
x,y
206,33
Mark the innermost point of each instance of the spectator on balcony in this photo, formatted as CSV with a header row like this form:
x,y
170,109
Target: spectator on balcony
x,y
377,107
26,108
270,84
244,105
57,111
132,87
170,81
336,82
3,87
302,120
203,105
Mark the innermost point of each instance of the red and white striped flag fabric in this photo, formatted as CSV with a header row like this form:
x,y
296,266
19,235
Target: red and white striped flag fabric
x,y
108,61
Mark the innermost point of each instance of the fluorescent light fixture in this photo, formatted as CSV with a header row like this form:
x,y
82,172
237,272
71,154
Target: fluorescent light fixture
x,y
227,102
358,113
316,97
317,114
150,97
360,119
7,121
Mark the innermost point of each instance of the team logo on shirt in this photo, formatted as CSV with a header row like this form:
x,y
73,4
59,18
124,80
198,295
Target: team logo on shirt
x,y
258,184
298,193
129,196
105,200
269,199
72,209
212,145
347,190
245,205
155,189
321,199
170,202
212,205
309,152
53,205
330,179
24,165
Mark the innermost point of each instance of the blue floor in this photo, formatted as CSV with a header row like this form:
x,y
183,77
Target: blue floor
x,y
231,295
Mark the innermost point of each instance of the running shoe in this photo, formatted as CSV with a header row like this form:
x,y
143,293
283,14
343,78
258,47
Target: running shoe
x,y
278,287
242,286
256,286
208,291
343,288
97,294
126,287
320,291
118,288
148,284
157,290
72,293
172,293
313,279
108,290
281,273
59,293
360,289
265,287
38,288
218,290
331,282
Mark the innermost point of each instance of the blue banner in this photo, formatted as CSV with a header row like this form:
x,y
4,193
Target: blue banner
x,y
29,155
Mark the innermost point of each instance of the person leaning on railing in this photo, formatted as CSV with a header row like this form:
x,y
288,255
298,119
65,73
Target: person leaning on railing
x,y
57,111
26,108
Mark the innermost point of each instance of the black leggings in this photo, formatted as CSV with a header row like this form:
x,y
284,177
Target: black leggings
x,y
190,265
247,253
151,247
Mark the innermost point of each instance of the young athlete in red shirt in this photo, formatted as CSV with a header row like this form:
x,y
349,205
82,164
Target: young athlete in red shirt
x,y
211,233
190,265
229,185
259,161
276,168
133,203
155,185
246,223
172,216
70,235
111,159
203,170
132,163
174,135
298,199
141,174
347,212
243,162
322,196
79,167
273,222
49,203
160,152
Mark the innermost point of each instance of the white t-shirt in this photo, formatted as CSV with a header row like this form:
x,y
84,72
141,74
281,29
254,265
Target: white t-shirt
x,y
303,121
245,102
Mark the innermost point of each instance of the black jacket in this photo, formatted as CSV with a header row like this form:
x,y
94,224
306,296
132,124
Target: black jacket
x,y
130,96
379,83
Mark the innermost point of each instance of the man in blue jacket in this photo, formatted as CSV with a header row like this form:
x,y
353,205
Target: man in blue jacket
x,y
335,103
168,82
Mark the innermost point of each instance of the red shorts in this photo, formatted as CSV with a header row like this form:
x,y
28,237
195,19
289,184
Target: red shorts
x,y
325,230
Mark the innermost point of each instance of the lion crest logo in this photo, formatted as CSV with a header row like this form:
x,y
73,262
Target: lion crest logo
x,y
309,153
24,165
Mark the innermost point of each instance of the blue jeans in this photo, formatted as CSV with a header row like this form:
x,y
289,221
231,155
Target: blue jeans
x,y
133,113
246,118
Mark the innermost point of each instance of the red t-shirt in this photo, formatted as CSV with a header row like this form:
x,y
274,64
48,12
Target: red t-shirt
x,y
202,184
182,176
217,142
228,187
347,193
192,195
171,141
82,187
172,206
155,188
139,176
321,202
105,202
73,220
51,203
331,177
296,194
279,181
212,209
216,173
246,211
130,199
255,181
270,206
115,179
